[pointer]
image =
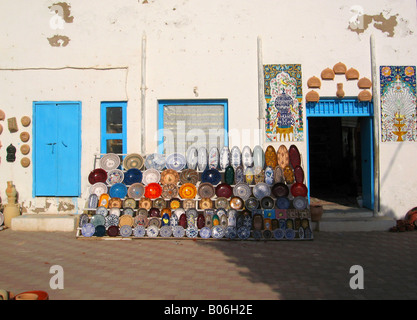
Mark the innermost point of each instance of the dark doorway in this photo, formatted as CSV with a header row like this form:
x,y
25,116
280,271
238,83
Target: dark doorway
x,y
335,159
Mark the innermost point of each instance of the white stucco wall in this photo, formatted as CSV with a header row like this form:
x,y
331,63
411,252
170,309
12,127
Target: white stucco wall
x,y
207,45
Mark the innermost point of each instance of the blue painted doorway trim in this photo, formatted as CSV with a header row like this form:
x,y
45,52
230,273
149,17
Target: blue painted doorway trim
x,y
104,135
349,107
56,148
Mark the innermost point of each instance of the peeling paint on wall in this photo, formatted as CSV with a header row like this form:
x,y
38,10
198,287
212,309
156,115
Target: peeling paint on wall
x,y
379,21
62,15
59,41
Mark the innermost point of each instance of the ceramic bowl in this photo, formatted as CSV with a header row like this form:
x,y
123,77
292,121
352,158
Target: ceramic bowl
x,y
118,190
224,190
188,191
97,175
212,176
133,160
280,190
136,191
133,175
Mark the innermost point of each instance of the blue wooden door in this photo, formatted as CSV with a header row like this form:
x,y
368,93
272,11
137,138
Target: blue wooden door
x,y
57,148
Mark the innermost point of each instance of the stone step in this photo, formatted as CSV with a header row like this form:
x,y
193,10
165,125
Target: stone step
x,y
346,224
45,222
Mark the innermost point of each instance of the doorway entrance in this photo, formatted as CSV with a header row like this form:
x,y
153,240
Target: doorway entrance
x,y
340,154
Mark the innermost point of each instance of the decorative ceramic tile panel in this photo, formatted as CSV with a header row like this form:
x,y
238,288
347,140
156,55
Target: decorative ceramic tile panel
x,y
283,95
398,103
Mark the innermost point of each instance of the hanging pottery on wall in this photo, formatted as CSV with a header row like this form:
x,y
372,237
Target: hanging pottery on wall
x,y
12,124
25,162
1,129
24,136
339,68
25,149
2,115
25,121
340,93
11,153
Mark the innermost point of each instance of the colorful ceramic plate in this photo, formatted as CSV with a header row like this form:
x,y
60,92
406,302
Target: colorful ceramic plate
x,y
178,231
271,157
224,160
109,161
132,176
206,190
155,161
152,231
125,220
151,176
205,232
243,232
153,190
154,222
213,158
125,230
247,158
136,191
129,202
242,190
118,190
206,203
115,203
299,203
111,220
269,176
191,232
139,231
169,176
97,175
299,189
212,176
252,203
160,203
299,174
129,212
278,175
224,190
114,176
202,159
235,157
289,234
189,176
192,158
230,232
98,188
217,232
98,220
239,175
176,161
133,160
261,190
236,203
92,201
82,220
165,231
283,156
188,191
169,191
221,203
88,230
104,200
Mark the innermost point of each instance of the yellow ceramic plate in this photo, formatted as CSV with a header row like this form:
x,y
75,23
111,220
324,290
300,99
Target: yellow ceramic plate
x,y
188,191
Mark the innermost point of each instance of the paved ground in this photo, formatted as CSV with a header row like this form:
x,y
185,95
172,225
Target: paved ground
x,y
211,269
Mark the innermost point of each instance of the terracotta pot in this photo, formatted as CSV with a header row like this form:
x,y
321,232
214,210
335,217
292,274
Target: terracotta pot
x,y
26,296
316,211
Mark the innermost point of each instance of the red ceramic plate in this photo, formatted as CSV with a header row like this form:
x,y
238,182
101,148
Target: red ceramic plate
x,y
295,158
299,174
224,190
97,175
153,190
299,190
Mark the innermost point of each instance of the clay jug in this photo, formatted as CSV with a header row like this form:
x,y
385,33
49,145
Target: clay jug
x,y
340,93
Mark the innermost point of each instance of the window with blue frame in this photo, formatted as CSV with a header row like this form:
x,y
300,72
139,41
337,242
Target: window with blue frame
x,y
186,123
113,127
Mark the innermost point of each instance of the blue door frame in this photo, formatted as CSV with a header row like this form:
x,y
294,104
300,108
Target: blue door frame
x,y
330,107
103,127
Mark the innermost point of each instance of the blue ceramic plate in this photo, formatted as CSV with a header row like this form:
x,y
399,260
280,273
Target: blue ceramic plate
x,y
191,232
100,231
279,233
230,232
218,232
125,230
152,231
83,220
205,232
290,234
243,232
139,231
155,161
131,176
299,203
118,190
176,161
111,220
165,231
88,230
257,234
178,231
102,210
261,190
283,203
98,220
212,176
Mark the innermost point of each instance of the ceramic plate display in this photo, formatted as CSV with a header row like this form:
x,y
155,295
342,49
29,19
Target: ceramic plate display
x,y
205,232
92,201
283,203
152,231
229,175
258,157
257,234
113,231
242,190
169,176
299,203
259,175
125,220
283,157
165,232
174,203
294,156
114,176
206,190
118,190
129,202
169,191
280,190
125,230
217,232
82,221
261,190
267,202
139,231
212,176
189,176
160,203
192,158
271,157
299,189
267,234
299,174
155,161
239,175
289,234
213,158
191,232
288,175
247,158
133,160
104,200
243,232
97,175
98,220
252,203
136,191
115,211
129,212
278,175
222,203
188,191
151,176
109,161
115,203
235,157
98,188
111,220
279,234
102,210
249,173
206,203
132,176
301,233
224,190
153,190
100,231
88,230
202,159
224,160
154,222
176,161
269,176
230,232
178,231
236,203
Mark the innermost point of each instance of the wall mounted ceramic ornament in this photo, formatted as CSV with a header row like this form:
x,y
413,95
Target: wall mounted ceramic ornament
x,y
365,95
25,162
312,96
327,74
2,115
11,153
339,68
340,93
25,136
25,121
1,129
25,149
352,74
314,82
12,124
364,83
